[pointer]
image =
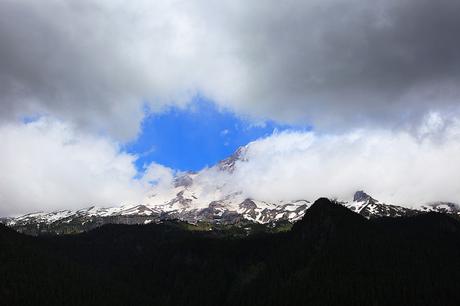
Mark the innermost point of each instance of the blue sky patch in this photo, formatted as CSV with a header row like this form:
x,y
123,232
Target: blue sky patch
x,y
196,136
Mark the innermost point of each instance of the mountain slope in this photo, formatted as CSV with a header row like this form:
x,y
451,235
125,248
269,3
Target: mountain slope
x,y
216,213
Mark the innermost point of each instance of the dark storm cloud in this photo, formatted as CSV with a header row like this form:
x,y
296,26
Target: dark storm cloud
x,y
333,63
368,60
57,57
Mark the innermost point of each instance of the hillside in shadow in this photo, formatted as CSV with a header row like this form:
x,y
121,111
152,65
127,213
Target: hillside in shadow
x,y
330,257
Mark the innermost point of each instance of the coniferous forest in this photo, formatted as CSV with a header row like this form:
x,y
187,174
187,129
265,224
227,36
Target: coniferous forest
x,y
330,257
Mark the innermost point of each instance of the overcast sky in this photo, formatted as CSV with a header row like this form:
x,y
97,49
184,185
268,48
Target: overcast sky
x,y
79,78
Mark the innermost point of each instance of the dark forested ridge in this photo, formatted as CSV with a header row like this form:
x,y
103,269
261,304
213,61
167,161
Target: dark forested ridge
x,y
331,257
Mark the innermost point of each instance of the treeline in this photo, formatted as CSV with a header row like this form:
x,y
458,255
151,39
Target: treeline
x,y
331,257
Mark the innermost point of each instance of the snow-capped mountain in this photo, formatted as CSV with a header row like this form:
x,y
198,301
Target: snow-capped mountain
x,y
369,207
204,197
442,207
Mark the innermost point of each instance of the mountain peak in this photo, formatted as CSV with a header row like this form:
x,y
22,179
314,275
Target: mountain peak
x,y
228,164
184,180
445,207
361,196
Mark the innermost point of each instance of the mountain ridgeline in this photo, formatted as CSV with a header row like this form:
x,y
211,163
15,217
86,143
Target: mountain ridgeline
x,y
331,256
199,198
240,214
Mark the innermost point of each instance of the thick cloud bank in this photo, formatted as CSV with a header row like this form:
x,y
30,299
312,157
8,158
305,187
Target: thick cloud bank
x,y
330,63
47,165
408,169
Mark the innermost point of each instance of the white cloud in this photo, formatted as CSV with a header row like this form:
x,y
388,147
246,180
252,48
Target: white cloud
x,y
224,132
159,176
48,165
394,166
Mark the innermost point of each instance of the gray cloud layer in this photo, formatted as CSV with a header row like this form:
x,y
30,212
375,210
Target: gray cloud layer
x,y
332,63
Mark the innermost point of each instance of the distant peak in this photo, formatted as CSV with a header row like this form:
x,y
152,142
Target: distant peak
x,y
445,207
184,180
361,196
228,164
